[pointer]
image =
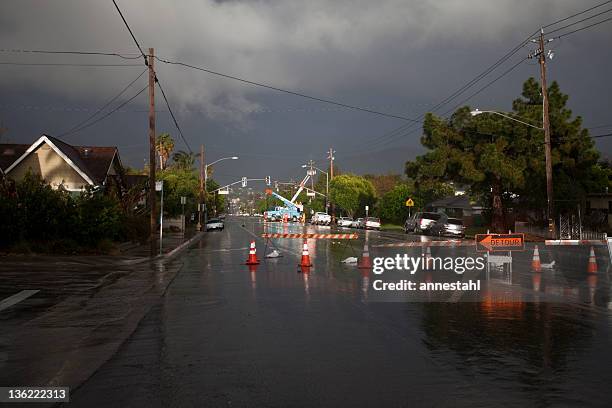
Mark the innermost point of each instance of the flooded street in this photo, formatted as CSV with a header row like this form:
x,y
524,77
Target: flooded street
x,y
270,335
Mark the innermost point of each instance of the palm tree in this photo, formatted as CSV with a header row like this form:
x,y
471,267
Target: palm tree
x,y
164,145
185,160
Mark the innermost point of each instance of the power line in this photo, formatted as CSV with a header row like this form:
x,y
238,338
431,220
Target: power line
x,y
577,14
50,64
583,28
107,54
579,21
172,115
274,88
131,33
400,131
107,114
113,99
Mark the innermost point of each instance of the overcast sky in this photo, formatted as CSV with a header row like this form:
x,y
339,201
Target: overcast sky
x,y
395,56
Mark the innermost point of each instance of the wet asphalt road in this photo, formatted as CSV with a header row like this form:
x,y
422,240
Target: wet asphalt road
x,y
226,335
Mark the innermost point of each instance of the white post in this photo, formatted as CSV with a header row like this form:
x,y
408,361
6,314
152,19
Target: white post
x,y
161,218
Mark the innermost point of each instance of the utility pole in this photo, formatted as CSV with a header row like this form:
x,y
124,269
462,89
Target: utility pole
x,y
201,197
152,192
331,176
547,147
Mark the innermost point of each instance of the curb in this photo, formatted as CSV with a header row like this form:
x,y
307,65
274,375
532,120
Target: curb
x,y
180,248
168,255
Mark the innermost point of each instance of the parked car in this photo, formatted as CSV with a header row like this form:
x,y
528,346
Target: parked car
x,y
421,222
371,223
321,218
344,221
446,226
214,224
358,223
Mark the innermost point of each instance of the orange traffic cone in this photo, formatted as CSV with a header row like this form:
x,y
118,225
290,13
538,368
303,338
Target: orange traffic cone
x,y
592,266
305,263
366,262
535,263
252,255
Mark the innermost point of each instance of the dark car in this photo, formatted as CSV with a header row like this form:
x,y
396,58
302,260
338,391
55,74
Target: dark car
x,y
447,226
421,222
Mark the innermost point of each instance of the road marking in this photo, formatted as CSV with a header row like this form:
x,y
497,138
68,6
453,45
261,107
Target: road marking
x,y
13,300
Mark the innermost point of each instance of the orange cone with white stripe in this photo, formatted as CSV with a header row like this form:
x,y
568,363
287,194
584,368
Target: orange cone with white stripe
x,y
305,263
252,255
535,263
592,266
366,262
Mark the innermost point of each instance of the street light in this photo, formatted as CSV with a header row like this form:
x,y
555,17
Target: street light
x,y
305,166
549,194
206,179
479,112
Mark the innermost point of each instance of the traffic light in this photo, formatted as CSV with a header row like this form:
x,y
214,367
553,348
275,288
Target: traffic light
x,y
244,182
268,181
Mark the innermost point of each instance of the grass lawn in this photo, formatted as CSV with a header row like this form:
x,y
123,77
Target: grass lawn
x,y
391,227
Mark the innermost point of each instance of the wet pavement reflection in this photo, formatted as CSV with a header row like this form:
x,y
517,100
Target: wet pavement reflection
x,y
275,334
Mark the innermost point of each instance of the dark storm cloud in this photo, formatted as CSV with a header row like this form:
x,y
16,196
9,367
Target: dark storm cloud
x,y
407,54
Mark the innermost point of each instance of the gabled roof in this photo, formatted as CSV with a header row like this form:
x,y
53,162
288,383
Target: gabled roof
x,y
91,162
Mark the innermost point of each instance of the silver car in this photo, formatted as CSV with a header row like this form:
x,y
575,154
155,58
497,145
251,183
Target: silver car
x,y
344,221
214,224
358,223
421,222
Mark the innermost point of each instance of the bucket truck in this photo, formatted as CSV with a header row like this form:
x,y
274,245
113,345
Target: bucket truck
x,y
291,210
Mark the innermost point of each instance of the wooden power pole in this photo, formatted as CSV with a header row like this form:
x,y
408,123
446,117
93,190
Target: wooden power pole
x,y
152,193
331,176
547,146
202,198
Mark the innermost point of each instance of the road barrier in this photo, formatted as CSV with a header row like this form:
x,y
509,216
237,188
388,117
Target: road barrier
x,y
425,244
311,236
576,242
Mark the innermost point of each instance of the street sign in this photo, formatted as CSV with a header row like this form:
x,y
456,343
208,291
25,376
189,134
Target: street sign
x,y
310,194
183,200
244,182
409,203
159,185
223,192
500,242
367,207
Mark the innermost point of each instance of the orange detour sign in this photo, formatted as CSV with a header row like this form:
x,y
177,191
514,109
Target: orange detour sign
x,y
500,242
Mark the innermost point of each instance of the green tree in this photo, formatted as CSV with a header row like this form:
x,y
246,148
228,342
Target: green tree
x,y
164,145
392,205
501,159
184,160
352,193
178,183
215,202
